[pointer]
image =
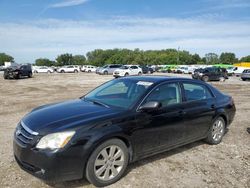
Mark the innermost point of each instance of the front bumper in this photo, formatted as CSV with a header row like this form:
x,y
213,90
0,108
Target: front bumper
x,y
55,166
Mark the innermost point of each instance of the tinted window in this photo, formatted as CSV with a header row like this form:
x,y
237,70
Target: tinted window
x,y
196,92
166,94
133,67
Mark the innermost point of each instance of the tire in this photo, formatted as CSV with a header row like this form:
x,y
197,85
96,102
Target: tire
x,y
18,76
126,74
205,78
49,72
104,167
5,77
139,73
30,75
75,71
217,128
89,71
243,79
105,73
62,71
35,72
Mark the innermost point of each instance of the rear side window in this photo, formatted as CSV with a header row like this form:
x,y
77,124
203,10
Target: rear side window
x,y
195,92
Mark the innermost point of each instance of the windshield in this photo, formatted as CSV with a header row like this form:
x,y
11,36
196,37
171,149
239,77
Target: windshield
x,y
121,93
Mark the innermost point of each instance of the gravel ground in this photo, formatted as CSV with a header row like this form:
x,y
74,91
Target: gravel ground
x,y
193,165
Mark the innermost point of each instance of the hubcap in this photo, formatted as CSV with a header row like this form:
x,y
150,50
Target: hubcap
x,y
218,130
109,163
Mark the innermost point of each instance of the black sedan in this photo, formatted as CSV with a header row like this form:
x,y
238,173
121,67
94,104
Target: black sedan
x,y
119,122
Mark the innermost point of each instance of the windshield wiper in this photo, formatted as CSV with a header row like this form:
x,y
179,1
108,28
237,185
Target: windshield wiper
x,y
96,102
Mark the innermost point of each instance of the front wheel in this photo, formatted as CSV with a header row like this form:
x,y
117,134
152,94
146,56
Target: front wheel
x,y
216,131
205,78
107,163
139,73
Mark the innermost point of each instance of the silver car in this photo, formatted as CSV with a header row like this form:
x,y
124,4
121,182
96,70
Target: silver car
x,y
108,69
245,75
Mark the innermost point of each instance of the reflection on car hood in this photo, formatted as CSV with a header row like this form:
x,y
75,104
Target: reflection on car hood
x,y
72,113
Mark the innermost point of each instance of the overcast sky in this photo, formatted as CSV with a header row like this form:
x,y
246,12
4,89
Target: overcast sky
x,y
30,29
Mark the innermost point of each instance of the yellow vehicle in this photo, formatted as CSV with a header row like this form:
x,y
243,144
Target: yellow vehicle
x,y
242,64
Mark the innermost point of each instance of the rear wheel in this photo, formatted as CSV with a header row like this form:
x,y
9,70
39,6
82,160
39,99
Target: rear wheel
x,y
49,72
205,78
75,71
216,131
30,75
62,71
243,79
139,73
126,74
107,163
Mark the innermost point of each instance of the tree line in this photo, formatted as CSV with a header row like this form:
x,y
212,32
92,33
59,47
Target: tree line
x,y
101,57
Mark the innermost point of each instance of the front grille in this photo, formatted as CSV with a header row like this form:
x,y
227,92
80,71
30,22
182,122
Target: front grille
x,y
24,135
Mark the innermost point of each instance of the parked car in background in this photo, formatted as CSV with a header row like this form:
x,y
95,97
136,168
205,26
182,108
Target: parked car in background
x,y
181,70
68,69
121,121
43,69
210,74
245,75
18,71
237,71
2,68
127,70
108,69
90,69
147,69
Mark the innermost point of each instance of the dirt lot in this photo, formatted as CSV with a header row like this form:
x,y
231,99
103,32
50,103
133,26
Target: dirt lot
x,y
194,165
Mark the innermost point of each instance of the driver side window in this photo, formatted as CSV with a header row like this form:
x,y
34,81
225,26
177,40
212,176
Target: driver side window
x,y
166,94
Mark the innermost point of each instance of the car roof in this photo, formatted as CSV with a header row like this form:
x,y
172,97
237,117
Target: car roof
x,y
159,79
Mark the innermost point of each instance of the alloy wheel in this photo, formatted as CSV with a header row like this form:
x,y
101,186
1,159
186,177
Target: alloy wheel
x,y
109,163
218,130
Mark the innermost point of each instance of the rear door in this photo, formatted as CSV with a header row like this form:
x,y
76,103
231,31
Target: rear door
x,y
199,109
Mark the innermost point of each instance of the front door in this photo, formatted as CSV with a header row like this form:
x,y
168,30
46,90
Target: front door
x,y
162,128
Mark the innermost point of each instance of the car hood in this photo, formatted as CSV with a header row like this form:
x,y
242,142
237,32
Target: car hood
x,y
68,114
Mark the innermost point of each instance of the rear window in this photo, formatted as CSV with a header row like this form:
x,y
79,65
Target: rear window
x,y
195,92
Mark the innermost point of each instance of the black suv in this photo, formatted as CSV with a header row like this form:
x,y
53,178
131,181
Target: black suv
x,y
210,74
146,70
18,71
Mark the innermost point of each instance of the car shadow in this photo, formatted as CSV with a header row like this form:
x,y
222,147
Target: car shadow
x,y
84,182
162,156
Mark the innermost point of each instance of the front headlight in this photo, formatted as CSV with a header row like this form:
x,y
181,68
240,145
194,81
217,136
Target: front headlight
x,y
55,140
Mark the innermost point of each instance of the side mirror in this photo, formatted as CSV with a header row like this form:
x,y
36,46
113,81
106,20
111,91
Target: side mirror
x,y
150,106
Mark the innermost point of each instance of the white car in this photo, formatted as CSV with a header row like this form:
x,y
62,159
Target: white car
x,y
237,71
127,70
43,69
69,68
183,70
90,69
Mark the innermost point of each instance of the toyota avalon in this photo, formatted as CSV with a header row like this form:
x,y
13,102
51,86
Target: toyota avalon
x,y
119,122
